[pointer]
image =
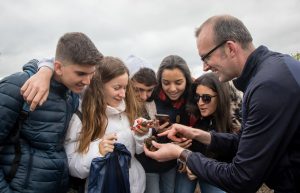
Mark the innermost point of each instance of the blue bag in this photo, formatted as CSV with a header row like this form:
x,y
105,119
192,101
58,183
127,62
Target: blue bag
x,y
110,174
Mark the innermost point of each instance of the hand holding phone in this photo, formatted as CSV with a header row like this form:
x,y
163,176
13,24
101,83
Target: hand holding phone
x,y
162,119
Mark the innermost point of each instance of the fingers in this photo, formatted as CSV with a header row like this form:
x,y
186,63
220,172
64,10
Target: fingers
x,y
150,124
36,89
141,130
106,148
164,133
33,95
149,153
44,98
174,137
24,87
185,144
155,144
107,143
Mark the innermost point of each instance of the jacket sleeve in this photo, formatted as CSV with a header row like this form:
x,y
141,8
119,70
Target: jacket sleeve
x,y
224,144
31,67
79,163
139,141
10,106
263,132
46,63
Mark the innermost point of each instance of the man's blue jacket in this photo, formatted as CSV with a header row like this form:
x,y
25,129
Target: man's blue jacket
x,y
268,148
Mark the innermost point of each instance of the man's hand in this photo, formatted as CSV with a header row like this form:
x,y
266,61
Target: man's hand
x,y
179,133
36,89
165,152
184,144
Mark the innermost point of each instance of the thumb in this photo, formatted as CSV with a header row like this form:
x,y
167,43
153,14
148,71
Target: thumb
x,y
155,144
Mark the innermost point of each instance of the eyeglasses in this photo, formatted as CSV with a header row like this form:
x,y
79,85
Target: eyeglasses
x,y
206,56
206,98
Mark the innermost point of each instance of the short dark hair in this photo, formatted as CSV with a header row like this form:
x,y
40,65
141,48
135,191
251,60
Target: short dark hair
x,y
227,27
77,48
145,76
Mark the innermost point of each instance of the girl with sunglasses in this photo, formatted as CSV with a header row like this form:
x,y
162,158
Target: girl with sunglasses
x,y
210,106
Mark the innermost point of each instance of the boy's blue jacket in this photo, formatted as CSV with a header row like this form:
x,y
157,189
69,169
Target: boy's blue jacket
x,y
43,167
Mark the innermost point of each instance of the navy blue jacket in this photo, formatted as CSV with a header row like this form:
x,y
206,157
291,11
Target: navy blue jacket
x,y
268,147
110,174
43,167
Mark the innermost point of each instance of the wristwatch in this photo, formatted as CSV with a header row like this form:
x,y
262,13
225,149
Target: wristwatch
x,y
184,156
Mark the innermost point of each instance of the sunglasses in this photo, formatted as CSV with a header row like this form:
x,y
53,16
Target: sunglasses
x,y
206,98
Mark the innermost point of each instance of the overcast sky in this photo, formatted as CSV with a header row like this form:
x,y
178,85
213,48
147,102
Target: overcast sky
x,y
150,29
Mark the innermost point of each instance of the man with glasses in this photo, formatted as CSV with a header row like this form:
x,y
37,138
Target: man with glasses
x,y
267,149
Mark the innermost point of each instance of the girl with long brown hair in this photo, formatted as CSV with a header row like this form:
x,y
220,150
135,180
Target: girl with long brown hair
x,y
109,108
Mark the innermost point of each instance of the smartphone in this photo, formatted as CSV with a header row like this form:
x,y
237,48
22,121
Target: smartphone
x,y
162,118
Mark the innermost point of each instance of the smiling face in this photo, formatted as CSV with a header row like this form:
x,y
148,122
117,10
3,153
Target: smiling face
x,y
173,83
75,77
115,90
206,109
218,61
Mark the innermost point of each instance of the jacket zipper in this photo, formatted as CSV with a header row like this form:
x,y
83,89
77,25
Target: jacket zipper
x,y
29,168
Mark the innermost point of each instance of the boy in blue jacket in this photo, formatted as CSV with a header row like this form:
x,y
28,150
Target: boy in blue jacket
x,y
43,165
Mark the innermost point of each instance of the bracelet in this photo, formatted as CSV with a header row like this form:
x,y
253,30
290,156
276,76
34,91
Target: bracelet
x,y
184,156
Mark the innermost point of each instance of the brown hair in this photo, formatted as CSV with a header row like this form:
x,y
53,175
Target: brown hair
x,y
77,48
227,27
145,76
94,118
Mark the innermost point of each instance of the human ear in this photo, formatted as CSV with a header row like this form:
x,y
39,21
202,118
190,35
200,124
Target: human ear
x,y
58,67
231,48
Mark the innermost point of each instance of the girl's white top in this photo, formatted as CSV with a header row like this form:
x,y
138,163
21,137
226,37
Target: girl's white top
x,y
79,163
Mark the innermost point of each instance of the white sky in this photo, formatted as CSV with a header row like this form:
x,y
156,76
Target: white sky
x,y
149,29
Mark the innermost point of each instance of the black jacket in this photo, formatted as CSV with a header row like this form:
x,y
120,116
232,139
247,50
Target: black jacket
x,y
268,147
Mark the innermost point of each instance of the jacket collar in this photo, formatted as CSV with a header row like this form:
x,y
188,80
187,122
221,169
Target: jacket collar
x,y
58,88
250,68
116,110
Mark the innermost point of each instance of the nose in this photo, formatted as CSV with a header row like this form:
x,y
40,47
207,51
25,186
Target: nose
x,y
172,87
143,96
122,93
206,67
200,102
87,80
